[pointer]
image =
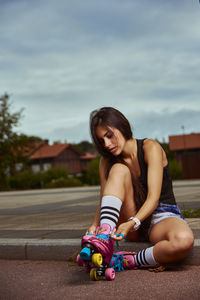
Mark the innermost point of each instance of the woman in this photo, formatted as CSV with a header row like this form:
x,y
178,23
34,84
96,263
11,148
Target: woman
x,y
137,199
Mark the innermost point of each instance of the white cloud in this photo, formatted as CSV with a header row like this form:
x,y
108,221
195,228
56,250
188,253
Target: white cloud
x,y
161,125
62,59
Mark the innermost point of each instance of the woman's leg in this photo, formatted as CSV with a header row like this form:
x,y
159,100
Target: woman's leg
x,y
119,184
172,237
116,203
173,240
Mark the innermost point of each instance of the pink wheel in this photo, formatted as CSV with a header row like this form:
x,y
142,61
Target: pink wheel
x,y
110,274
80,262
88,269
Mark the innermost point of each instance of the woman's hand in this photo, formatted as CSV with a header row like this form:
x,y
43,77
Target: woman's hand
x,y
124,228
92,229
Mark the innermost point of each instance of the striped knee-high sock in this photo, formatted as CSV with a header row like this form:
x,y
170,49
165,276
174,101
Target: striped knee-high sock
x,y
110,210
145,258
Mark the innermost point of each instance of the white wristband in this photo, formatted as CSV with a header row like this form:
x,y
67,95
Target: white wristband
x,y
137,223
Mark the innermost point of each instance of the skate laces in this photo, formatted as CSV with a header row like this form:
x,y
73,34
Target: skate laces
x,y
103,237
117,262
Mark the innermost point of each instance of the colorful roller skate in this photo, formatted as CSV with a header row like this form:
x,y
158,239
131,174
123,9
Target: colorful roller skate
x,y
123,260
96,253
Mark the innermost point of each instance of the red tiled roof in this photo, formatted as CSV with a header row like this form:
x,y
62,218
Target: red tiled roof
x,y
33,147
47,151
184,141
88,156
28,150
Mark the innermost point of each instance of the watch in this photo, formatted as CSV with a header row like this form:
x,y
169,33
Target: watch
x,y
137,223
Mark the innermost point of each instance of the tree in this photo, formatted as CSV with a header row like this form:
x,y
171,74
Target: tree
x,y
174,166
84,146
11,143
91,174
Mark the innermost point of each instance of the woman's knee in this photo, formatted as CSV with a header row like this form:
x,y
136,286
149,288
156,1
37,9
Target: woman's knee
x,y
119,170
182,242
119,180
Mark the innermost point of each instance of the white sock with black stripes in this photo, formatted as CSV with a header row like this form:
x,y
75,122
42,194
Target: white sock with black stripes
x,y
145,258
110,210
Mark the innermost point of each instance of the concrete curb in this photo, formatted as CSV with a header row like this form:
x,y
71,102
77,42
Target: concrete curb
x,y
63,249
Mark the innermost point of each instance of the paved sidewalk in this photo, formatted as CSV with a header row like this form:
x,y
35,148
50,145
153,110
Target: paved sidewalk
x,y
42,225
64,249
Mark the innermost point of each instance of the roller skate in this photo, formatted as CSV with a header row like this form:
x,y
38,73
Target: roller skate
x,y
96,253
123,260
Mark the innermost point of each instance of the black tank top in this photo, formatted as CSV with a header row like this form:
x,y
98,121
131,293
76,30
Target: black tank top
x,y
166,195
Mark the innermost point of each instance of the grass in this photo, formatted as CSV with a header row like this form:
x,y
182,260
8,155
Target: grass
x,y
191,213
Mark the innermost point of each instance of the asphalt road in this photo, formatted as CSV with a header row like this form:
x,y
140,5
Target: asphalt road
x,y
41,280
58,213
63,212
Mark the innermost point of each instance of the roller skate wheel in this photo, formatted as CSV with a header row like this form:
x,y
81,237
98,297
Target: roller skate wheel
x,y
85,253
80,262
97,259
88,269
93,275
110,274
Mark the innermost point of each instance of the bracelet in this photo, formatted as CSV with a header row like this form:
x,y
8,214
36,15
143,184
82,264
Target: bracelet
x,y
137,223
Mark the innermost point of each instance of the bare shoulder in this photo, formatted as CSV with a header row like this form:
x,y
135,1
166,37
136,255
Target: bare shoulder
x,y
151,148
151,144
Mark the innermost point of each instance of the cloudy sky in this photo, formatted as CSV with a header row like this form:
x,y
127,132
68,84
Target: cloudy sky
x,y
59,60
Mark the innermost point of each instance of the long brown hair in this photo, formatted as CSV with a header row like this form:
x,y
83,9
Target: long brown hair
x,y
111,117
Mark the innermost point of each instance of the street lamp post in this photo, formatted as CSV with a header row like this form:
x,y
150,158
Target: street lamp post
x,y
184,141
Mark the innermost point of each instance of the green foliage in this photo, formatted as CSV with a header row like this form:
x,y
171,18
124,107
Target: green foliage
x,y
91,175
86,146
175,169
25,180
53,174
9,140
13,147
174,166
191,213
63,182
170,154
53,178
33,138
83,147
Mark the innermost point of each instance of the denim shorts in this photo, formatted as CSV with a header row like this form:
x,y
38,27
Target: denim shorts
x,y
164,211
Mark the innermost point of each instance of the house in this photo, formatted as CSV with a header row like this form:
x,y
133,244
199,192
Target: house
x,y
27,151
86,159
59,155
187,152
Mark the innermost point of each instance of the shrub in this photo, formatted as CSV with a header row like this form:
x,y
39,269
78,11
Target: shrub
x,y
63,182
53,174
52,178
4,182
191,213
91,175
25,180
175,169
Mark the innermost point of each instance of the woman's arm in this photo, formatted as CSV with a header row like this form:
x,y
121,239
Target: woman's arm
x,y
153,155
